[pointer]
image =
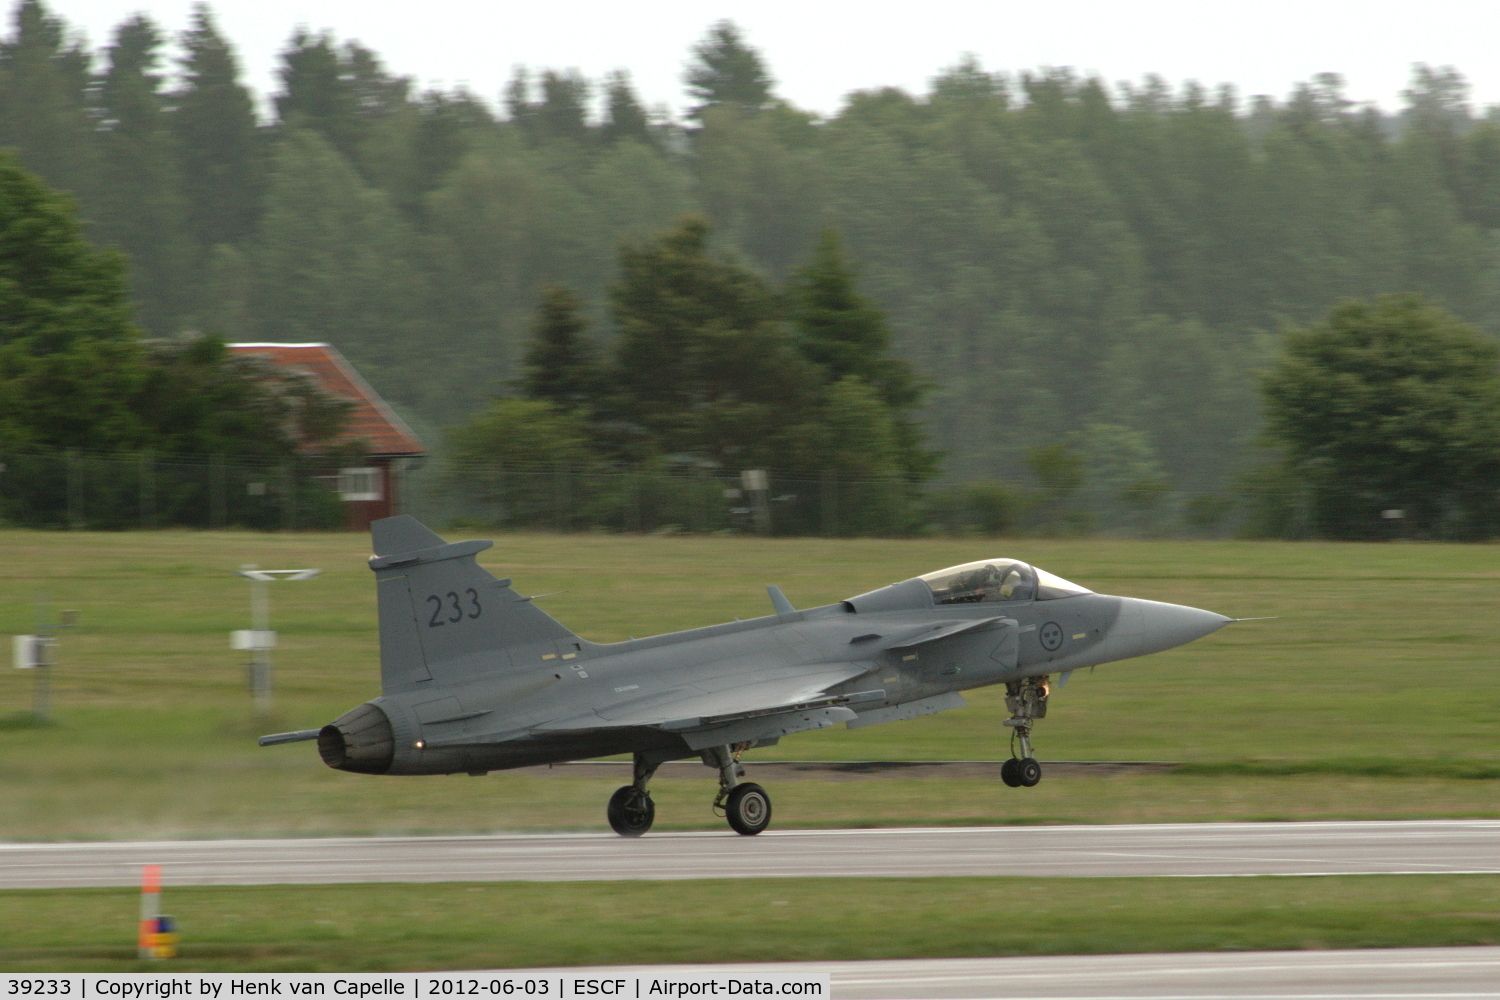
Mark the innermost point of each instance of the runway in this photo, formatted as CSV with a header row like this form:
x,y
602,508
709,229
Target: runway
x,y
1376,974
1177,849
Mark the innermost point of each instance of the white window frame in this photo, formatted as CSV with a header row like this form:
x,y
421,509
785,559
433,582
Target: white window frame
x,y
362,483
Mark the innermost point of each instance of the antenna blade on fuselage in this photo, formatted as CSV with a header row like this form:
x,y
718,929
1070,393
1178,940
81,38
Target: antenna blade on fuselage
x,y
779,601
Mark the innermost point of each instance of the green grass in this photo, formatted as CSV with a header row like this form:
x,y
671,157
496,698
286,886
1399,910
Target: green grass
x,y
348,928
1376,694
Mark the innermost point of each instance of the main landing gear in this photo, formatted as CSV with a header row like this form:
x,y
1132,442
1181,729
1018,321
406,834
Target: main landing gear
x,y
746,805
1027,701
631,811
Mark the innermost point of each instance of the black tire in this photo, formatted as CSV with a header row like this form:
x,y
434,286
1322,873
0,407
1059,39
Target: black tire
x,y
1028,772
748,809
630,812
1008,773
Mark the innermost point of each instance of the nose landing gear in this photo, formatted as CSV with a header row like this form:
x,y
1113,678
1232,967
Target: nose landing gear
x,y
1027,701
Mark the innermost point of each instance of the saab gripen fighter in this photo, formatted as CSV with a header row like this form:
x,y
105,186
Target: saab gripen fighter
x,y
476,678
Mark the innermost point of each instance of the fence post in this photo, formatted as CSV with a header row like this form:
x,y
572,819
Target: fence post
x,y
502,510
695,511
830,498
74,490
146,480
288,496
217,514
633,484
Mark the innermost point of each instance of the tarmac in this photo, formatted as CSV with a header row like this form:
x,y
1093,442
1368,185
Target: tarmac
x,y
1375,974
1164,849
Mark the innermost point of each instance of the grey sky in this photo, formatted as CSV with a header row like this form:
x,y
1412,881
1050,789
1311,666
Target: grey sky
x,y
819,52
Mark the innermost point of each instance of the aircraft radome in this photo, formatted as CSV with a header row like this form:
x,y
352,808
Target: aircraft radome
x,y
477,678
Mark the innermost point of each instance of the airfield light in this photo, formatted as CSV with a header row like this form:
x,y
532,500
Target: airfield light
x,y
259,639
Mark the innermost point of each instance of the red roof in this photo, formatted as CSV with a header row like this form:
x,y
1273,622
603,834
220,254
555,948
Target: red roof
x,y
372,420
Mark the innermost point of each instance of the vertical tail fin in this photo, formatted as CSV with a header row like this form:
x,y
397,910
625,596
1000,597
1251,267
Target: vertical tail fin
x,y
442,617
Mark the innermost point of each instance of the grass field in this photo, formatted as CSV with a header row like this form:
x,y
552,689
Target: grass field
x,y
514,924
1375,694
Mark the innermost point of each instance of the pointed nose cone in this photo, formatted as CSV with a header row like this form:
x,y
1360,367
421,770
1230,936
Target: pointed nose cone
x,y
1164,626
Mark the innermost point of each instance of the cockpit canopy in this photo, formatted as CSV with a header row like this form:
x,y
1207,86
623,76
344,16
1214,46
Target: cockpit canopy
x,y
997,580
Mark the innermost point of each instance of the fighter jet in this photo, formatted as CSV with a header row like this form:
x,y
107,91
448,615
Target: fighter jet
x,y
476,677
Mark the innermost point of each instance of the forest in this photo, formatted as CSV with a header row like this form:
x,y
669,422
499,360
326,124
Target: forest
x,y
1063,262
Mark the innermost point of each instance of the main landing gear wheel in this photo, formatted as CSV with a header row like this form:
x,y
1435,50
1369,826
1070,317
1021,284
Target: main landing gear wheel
x,y
631,811
748,808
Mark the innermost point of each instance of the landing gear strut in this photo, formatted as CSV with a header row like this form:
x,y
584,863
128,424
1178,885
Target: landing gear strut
x,y
746,805
1027,701
631,811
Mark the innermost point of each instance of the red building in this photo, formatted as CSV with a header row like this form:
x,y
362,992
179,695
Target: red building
x,y
372,490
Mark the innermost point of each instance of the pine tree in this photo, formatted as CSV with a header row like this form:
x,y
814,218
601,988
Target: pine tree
x,y
141,209
316,94
220,149
845,335
702,365
562,111
45,78
561,365
445,126
843,332
624,116
726,71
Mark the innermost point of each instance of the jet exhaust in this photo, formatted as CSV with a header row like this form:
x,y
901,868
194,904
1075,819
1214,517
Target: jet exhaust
x,y
360,740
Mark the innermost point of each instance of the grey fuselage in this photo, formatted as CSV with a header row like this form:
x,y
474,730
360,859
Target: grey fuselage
x,y
566,699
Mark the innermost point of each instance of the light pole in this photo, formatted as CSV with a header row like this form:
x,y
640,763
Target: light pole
x,y
259,639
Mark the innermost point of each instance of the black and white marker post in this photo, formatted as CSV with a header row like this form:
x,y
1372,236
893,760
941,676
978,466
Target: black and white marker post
x,y
259,639
36,653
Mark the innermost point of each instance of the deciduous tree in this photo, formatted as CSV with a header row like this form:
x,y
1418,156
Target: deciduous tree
x,y
1391,405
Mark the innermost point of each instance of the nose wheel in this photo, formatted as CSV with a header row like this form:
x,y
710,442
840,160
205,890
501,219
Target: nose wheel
x,y
1022,772
1027,701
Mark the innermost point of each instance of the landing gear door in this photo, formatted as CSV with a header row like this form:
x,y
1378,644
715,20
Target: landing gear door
x,y
1007,650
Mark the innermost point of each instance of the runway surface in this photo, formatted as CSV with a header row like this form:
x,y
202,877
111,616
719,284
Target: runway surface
x,y
1405,973
1178,849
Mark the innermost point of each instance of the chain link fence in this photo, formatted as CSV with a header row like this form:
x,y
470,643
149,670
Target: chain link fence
x,y
826,503
88,491
564,497
81,490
